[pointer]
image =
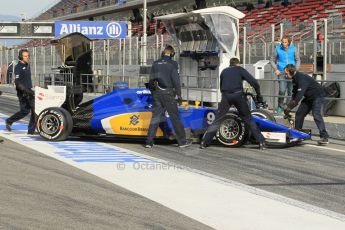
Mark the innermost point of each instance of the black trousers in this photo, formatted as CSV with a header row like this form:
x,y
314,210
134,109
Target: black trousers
x,y
315,106
27,105
165,101
239,101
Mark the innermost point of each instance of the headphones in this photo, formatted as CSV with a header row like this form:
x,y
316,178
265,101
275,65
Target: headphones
x,y
20,55
170,49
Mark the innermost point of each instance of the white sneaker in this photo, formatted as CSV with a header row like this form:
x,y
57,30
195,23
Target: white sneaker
x,y
148,146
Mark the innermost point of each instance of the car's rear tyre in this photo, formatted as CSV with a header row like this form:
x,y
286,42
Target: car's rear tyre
x,y
232,131
54,124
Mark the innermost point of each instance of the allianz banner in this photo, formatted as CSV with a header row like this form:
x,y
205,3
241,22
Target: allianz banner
x,y
92,30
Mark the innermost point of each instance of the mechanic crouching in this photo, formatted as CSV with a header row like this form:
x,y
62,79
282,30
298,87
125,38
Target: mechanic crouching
x,y
22,75
165,85
231,86
314,96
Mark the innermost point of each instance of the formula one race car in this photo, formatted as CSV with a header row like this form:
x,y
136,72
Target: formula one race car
x,y
127,113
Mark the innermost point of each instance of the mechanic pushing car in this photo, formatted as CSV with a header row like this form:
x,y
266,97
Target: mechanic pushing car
x,y
164,84
26,95
231,86
314,96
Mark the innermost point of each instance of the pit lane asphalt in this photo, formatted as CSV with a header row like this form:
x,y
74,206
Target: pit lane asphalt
x,y
307,173
39,192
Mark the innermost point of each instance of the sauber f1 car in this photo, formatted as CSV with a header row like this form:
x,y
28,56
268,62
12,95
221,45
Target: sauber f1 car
x,y
127,113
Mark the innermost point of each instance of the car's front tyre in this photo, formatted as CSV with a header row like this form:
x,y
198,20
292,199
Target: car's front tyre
x,y
232,131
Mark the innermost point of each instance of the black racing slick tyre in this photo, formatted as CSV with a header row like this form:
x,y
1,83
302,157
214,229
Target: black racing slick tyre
x,y
54,124
232,131
263,114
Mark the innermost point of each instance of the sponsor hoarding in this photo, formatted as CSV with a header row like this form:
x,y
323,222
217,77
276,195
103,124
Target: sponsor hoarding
x,y
93,30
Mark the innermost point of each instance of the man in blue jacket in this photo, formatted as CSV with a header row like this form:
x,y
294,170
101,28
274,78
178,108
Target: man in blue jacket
x,y
285,54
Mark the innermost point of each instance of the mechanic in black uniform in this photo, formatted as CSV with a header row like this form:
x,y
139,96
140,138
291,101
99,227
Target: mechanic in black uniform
x,y
165,85
231,86
22,75
314,96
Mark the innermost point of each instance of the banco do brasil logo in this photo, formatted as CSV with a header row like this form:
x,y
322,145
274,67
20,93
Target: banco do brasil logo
x,y
134,120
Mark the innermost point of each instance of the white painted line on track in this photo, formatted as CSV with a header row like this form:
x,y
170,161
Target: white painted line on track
x,y
326,148
209,199
12,96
